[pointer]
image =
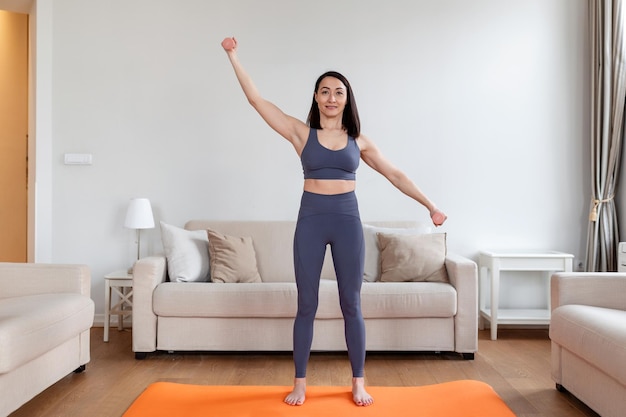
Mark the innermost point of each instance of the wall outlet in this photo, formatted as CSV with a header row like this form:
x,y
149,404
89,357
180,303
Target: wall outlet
x,y
579,266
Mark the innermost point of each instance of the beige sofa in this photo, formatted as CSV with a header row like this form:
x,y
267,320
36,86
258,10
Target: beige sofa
x,y
45,316
258,316
588,334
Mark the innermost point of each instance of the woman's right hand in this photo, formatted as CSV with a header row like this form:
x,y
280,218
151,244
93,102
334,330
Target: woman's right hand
x,y
229,44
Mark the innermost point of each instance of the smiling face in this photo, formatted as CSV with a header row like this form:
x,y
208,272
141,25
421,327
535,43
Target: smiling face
x,y
331,97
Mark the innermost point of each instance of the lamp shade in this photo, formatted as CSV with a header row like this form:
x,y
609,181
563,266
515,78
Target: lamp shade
x,y
139,214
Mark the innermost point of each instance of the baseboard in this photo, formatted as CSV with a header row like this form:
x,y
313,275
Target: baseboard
x,y
98,321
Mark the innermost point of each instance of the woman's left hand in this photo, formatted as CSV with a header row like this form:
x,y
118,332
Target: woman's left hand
x,y
438,217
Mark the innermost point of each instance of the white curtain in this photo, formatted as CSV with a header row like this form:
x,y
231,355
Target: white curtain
x,y
608,94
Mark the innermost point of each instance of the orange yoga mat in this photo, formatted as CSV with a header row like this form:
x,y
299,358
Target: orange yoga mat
x,y
459,399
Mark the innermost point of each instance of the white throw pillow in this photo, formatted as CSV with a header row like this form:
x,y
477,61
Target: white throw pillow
x,y
371,270
187,253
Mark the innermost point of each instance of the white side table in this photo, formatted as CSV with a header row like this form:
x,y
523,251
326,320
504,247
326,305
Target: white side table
x,y
491,263
121,283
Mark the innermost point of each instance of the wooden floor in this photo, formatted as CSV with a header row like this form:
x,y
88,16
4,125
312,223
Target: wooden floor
x,y
517,366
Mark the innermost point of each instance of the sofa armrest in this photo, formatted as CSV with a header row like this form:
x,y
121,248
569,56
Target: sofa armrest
x,y
463,275
598,289
147,274
18,279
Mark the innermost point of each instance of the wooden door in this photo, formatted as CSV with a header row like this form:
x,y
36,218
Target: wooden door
x,y
13,136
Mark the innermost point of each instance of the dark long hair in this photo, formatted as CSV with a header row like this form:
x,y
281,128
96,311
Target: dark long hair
x,y
351,121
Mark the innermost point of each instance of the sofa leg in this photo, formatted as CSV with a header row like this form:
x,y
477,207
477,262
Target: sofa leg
x,y
468,356
80,369
560,388
141,355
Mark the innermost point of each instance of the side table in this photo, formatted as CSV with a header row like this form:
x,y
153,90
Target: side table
x,y
492,263
120,283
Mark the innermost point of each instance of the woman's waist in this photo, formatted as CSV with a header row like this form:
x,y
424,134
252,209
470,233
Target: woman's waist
x,y
329,187
315,204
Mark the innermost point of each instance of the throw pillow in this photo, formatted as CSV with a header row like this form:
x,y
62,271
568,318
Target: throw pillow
x,y
413,257
232,259
186,252
371,270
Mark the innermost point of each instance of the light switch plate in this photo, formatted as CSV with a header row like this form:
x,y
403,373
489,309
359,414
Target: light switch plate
x,y
78,159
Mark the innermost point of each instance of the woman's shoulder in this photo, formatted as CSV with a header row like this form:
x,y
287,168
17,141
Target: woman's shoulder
x,y
363,141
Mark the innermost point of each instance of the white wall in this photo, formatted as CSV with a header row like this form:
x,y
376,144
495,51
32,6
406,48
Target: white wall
x,y
483,103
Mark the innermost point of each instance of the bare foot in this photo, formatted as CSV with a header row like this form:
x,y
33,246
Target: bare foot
x,y
359,395
297,396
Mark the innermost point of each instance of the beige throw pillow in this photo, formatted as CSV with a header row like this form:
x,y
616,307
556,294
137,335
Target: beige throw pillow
x,y
371,268
413,257
232,259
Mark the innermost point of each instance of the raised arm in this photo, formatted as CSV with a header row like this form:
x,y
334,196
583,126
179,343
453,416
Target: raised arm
x,y
372,156
292,129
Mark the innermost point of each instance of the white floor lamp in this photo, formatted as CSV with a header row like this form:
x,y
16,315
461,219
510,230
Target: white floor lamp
x,y
139,216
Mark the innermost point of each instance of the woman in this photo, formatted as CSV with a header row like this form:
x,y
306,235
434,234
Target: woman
x,y
330,147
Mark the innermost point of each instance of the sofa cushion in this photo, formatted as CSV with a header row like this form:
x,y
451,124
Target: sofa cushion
x,y
596,334
34,324
187,253
278,299
412,257
392,300
408,299
232,259
267,299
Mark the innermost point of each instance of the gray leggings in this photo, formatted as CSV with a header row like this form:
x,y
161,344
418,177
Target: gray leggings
x,y
329,220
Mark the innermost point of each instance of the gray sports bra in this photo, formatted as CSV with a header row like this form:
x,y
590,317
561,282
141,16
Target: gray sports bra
x,y
319,162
